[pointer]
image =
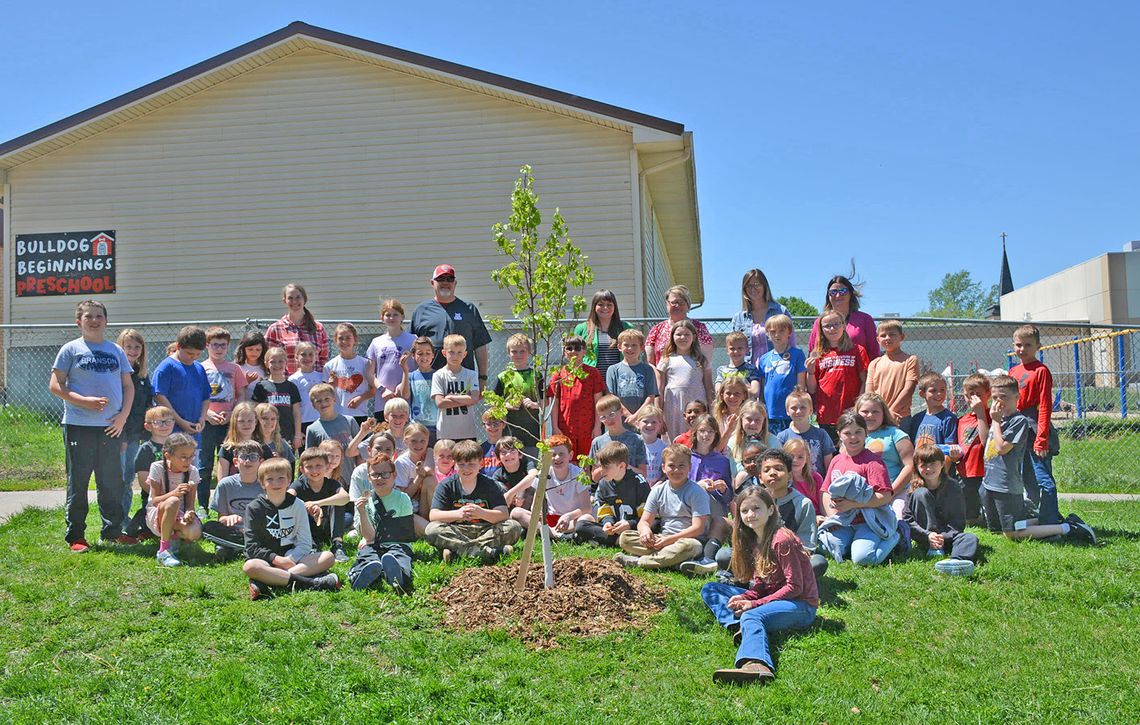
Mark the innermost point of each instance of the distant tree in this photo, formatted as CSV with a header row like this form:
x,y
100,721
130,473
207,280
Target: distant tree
x,y
959,296
798,306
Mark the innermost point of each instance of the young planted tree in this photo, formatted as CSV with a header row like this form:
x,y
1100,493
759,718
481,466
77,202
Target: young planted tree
x,y
540,275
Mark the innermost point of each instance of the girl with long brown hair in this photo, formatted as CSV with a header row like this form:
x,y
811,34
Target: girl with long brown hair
x,y
782,593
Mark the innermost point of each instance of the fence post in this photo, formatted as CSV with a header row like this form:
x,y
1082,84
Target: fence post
x,y
1077,378
1123,376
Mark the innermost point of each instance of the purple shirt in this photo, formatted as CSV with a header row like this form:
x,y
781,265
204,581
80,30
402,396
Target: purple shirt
x,y
717,467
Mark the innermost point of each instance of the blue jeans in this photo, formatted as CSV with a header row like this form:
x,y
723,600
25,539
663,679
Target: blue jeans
x,y
864,547
756,623
127,462
1041,488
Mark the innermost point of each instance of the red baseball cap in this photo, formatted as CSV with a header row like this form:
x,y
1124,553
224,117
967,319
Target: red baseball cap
x,y
442,270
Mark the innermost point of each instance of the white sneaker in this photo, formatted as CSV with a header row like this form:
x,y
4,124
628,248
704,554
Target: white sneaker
x,y
167,558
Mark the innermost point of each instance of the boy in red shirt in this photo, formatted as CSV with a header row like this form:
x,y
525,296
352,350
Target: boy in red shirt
x,y
971,454
1035,401
575,397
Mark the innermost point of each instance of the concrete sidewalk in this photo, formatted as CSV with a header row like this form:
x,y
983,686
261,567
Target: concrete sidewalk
x,y
12,502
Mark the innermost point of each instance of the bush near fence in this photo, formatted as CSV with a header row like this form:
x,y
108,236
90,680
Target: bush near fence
x,y
1095,370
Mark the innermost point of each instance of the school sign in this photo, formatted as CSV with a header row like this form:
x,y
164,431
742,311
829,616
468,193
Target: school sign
x,y
67,263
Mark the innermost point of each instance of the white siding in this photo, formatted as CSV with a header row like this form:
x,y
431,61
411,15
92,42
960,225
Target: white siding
x,y
351,179
655,262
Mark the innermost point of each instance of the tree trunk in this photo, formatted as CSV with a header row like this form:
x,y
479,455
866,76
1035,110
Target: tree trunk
x,y
537,523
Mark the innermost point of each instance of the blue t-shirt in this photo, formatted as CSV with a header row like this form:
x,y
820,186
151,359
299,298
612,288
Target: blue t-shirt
x,y
94,369
938,429
745,370
185,386
819,445
780,377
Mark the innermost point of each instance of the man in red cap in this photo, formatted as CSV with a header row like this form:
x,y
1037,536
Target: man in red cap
x,y
445,315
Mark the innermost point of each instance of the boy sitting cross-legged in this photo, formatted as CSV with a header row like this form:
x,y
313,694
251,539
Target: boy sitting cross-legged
x,y
278,546
386,530
622,493
567,500
683,508
231,499
468,513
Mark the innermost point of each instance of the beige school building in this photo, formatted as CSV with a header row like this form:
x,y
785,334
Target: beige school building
x,y
345,165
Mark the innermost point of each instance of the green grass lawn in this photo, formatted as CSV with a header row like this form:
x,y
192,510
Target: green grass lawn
x,y
1040,633
31,451
1099,464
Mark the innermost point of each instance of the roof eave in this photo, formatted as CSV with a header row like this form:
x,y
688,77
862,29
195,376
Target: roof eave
x,y
54,130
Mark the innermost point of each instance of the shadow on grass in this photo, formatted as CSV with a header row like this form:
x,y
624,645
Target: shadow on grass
x,y
830,589
1107,536
821,624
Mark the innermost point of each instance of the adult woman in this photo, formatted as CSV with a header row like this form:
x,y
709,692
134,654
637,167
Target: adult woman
x,y
843,298
757,307
297,325
601,330
677,302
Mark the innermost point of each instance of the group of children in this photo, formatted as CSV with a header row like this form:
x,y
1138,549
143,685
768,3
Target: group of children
x,y
708,471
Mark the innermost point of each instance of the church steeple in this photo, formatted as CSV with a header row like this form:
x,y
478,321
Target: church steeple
x,y
1005,286
1005,282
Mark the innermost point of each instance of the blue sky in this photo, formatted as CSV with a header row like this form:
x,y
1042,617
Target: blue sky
x,y
907,136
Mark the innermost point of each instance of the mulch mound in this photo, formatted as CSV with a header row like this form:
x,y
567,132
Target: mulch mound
x,y
590,597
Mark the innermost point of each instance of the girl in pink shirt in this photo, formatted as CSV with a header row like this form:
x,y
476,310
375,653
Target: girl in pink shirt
x,y
804,477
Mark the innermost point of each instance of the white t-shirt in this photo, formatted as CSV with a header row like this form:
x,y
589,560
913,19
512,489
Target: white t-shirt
x,y
348,377
305,383
406,471
455,423
565,495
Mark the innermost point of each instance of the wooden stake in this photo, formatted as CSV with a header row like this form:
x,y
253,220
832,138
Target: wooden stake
x,y
536,518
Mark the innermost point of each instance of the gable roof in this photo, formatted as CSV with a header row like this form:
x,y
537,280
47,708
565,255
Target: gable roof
x,y
287,40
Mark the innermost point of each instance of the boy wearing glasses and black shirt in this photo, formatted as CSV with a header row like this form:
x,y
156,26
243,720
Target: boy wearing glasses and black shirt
x,y
231,497
386,531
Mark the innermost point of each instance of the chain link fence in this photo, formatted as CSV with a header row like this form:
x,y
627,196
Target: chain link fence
x,y
1096,374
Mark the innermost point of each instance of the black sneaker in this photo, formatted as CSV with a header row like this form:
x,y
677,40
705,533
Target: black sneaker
x,y
338,552
1078,529
327,583
256,590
